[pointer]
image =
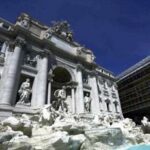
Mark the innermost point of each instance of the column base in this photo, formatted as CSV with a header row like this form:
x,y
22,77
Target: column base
x,y
5,111
23,108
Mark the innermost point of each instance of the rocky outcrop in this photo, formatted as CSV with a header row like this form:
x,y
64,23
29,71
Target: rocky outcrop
x,y
52,130
14,140
22,123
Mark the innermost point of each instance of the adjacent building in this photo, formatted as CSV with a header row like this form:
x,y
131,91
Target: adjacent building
x,y
134,90
37,60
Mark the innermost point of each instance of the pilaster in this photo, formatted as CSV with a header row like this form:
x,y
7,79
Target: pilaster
x,y
11,74
40,83
79,92
49,88
94,95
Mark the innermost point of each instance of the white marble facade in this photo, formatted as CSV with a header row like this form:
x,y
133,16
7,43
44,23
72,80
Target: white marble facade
x,y
50,59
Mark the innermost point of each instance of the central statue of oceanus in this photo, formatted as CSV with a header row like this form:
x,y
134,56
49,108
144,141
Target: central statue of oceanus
x,y
60,95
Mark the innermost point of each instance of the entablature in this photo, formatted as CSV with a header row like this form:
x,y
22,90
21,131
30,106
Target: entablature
x,y
59,36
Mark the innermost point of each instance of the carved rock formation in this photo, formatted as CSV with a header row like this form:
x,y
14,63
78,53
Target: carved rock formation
x,y
55,130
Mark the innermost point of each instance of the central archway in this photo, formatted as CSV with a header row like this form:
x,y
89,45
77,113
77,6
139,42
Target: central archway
x,y
61,75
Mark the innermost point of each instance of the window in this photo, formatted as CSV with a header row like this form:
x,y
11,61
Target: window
x,y
108,104
108,109
116,106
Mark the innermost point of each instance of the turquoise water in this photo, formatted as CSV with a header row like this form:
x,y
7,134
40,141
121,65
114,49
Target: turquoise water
x,y
139,147
135,147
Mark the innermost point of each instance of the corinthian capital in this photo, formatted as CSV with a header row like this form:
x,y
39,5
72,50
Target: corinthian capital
x,y
20,42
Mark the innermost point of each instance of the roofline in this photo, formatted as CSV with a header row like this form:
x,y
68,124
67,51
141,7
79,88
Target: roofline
x,y
144,62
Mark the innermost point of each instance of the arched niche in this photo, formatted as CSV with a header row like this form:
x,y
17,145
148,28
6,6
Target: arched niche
x,y
62,70
62,75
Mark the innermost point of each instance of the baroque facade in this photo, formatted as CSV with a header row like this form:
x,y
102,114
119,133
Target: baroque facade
x,y
44,65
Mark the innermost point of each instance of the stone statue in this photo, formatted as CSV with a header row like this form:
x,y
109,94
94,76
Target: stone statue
x,y
48,115
24,92
31,61
87,102
108,120
145,125
60,104
24,21
61,29
145,121
128,123
69,36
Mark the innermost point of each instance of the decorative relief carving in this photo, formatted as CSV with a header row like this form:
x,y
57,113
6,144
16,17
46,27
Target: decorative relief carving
x,y
101,80
114,95
109,83
4,46
87,53
20,42
61,29
79,50
23,21
30,60
106,93
90,56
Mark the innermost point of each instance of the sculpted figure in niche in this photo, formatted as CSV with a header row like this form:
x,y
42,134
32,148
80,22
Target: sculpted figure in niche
x,y
61,104
24,92
87,102
85,78
30,60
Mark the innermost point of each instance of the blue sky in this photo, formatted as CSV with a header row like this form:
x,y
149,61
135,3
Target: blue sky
x,y
117,31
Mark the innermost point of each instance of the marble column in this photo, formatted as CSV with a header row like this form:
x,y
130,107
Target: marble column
x,y
79,93
94,95
4,47
11,73
49,92
73,99
40,83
